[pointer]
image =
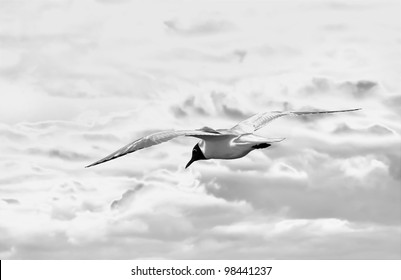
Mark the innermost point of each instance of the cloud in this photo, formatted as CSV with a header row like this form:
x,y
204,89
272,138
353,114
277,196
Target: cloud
x,y
17,171
374,129
335,27
233,112
100,137
74,91
11,134
57,153
197,28
178,112
357,89
126,199
11,201
213,57
183,203
309,189
394,160
110,2
228,106
394,102
211,103
361,167
272,52
275,238
190,103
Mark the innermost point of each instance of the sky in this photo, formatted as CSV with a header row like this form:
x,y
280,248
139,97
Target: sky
x,y
80,79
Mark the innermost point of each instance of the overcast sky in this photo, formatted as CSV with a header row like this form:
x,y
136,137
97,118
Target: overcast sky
x,y
79,79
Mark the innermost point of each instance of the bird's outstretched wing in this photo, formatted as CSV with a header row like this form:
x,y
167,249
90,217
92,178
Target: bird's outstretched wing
x,y
258,121
158,138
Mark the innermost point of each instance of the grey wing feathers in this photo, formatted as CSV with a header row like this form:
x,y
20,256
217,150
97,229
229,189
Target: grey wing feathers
x,y
258,121
154,139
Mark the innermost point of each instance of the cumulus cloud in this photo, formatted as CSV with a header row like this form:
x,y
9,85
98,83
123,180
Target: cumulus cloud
x,y
376,129
361,167
212,103
357,89
126,199
75,91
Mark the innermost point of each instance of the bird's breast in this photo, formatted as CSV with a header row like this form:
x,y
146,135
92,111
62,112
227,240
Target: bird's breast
x,y
223,148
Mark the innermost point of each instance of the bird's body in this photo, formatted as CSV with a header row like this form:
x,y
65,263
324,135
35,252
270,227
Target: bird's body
x,y
232,146
220,147
231,143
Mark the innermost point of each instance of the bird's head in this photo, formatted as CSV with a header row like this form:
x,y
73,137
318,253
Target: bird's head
x,y
197,154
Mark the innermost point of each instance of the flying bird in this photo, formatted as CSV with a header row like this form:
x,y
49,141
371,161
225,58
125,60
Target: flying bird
x,y
232,143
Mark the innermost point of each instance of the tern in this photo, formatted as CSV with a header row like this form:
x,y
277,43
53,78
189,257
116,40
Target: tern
x,y
232,143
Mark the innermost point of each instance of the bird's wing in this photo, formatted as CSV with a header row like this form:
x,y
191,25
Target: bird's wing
x,y
258,121
158,138
250,138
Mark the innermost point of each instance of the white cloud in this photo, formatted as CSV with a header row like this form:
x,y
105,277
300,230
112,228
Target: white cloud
x,y
360,167
283,169
80,79
289,226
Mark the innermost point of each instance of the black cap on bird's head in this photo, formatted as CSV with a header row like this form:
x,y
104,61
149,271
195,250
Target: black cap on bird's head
x,y
197,154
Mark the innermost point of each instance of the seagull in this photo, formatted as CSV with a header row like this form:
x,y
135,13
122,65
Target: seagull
x,y
232,143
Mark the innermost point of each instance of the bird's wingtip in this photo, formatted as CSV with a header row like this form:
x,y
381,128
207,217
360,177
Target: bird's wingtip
x,y
90,165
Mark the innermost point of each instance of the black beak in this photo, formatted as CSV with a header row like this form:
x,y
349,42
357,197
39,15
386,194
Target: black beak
x,y
189,163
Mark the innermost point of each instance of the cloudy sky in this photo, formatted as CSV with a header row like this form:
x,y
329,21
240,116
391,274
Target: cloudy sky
x,y
80,79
